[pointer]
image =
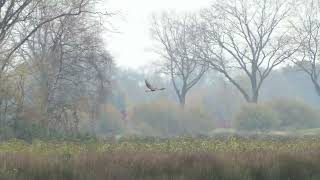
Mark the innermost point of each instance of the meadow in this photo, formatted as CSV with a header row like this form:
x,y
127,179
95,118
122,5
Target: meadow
x,y
231,158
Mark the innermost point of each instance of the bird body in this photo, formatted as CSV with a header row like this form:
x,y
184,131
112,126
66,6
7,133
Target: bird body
x,y
152,88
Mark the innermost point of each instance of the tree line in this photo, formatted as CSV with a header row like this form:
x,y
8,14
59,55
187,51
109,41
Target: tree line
x,y
56,73
251,38
54,68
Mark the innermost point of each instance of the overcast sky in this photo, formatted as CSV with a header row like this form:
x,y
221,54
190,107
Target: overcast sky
x,y
131,47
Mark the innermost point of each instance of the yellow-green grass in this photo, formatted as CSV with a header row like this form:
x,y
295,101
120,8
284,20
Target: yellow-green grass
x,y
180,158
177,145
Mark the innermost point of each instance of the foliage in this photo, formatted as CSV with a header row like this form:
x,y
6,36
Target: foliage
x,y
163,118
295,114
110,122
277,114
28,132
256,117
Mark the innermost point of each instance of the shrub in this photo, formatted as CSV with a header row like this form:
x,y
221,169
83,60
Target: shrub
x,y
156,119
163,118
256,117
197,120
295,114
110,122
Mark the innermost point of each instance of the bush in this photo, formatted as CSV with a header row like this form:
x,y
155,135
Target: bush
x,y
110,122
295,114
278,114
256,117
163,118
197,121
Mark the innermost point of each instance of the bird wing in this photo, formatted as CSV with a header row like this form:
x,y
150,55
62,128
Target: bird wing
x,y
149,85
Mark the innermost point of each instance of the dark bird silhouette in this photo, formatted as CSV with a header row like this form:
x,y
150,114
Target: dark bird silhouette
x,y
152,88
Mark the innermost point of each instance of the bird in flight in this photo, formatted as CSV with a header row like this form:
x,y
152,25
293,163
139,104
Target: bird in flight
x,y
152,88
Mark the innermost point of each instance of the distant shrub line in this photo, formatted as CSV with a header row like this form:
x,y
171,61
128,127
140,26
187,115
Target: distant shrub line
x,y
276,115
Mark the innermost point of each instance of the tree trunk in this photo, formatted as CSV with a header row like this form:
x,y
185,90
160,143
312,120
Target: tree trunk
x,y
316,86
0,110
254,98
182,97
254,86
182,101
241,90
76,121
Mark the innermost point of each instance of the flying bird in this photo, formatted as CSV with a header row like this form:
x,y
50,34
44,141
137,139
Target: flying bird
x,y
152,88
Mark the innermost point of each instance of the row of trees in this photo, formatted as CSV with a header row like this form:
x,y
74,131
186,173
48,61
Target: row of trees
x,y
54,69
250,38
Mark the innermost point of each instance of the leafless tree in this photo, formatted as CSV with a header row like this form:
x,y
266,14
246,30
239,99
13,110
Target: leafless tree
x,y
17,12
177,36
307,31
249,37
22,15
68,63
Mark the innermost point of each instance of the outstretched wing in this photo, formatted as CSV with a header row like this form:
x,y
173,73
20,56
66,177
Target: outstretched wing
x,y
149,85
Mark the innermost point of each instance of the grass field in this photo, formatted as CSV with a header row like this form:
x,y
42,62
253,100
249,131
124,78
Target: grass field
x,y
180,158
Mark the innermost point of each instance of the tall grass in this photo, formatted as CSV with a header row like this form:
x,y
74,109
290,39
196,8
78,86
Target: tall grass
x,y
190,159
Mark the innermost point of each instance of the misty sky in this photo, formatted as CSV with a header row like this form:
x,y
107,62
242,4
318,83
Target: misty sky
x,y
131,47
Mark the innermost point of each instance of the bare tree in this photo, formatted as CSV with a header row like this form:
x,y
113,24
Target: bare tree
x,y
22,15
177,36
249,37
17,12
307,28
68,63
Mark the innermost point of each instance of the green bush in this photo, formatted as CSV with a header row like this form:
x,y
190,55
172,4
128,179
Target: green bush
x,y
278,114
256,117
295,114
110,122
196,120
163,118
28,131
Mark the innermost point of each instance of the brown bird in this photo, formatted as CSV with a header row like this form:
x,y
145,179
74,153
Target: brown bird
x,y
152,88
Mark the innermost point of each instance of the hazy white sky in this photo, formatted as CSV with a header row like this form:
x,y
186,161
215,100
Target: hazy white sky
x,y
131,47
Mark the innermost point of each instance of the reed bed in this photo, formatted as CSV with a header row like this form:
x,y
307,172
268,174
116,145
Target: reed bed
x,y
185,159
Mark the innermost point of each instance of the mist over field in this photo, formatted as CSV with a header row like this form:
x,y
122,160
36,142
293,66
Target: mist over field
x,y
94,89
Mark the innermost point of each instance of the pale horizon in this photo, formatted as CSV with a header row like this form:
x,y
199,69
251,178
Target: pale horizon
x,y
131,47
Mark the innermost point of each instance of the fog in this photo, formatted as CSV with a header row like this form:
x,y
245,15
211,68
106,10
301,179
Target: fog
x,y
150,89
159,68
132,44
